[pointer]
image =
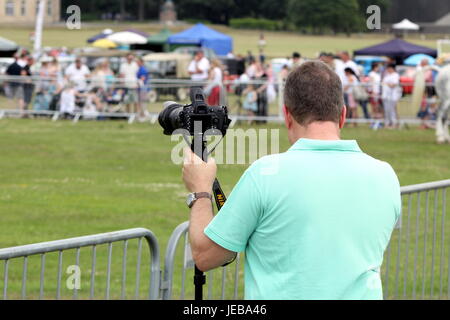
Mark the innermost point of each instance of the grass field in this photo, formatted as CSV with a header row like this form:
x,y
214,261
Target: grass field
x,y
279,44
60,180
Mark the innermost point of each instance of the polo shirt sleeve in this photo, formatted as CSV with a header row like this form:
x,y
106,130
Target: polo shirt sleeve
x,y
232,227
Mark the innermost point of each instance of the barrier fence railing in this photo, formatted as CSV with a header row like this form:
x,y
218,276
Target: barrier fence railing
x,y
77,268
416,263
156,91
417,260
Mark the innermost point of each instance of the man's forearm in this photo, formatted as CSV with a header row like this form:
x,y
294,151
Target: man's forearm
x,y
201,216
206,253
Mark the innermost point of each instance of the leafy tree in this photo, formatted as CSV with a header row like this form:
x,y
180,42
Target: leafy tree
x,y
320,15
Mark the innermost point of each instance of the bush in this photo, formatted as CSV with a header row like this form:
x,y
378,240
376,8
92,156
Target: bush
x,y
259,24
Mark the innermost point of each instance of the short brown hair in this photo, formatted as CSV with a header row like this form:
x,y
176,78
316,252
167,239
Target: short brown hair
x,y
313,92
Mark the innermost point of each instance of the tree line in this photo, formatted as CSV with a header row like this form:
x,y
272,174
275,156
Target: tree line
x,y
314,16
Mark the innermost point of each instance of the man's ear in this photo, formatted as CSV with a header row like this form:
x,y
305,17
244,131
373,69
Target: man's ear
x,y
342,117
287,117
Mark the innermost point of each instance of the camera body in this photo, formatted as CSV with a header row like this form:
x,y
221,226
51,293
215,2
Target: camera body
x,y
196,118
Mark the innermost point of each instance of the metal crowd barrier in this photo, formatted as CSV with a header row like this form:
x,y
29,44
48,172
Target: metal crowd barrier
x,y
410,269
92,241
216,287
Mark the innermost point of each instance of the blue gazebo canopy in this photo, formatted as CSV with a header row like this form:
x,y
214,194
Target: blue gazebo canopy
x,y
201,35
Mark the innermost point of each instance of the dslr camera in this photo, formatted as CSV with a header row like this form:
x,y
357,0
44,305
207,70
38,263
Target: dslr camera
x,y
213,119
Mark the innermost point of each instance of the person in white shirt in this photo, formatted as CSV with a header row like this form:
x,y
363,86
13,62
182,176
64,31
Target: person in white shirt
x,y
391,93
375,90
213,89
67,100
128,73
78,74
199,67
348,86
349,63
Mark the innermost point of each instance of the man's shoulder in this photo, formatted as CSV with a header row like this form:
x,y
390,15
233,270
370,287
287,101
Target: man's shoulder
x,y
70,68
378,167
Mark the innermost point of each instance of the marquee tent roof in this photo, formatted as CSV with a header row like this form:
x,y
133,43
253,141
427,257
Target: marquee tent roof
x,y
397,49
405,24
201,35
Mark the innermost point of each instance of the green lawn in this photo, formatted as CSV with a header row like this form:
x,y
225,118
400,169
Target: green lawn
x,y
61,180
279,44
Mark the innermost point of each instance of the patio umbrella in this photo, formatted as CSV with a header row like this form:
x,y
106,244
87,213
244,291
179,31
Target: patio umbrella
x,y
104,44
99,36
127,38
415,59
7,45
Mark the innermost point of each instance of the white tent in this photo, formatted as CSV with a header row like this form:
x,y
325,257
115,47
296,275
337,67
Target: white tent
x,y
127,38
7,45
405,24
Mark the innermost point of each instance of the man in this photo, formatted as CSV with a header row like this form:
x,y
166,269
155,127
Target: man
x,y
341,64
349,63
391,94
78,73
129,74
15,88
28,86
374,91
303,237
143,78
199,67
296,60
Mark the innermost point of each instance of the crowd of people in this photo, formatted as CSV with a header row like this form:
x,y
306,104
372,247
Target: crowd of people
x,y
76,87
380,88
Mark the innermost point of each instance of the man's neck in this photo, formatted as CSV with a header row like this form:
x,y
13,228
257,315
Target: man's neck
x,y
320,130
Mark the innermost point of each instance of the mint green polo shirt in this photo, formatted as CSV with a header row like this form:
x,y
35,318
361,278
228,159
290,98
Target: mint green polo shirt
x,y
314,222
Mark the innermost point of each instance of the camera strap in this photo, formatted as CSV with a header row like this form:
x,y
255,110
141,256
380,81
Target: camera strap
x,y
219,195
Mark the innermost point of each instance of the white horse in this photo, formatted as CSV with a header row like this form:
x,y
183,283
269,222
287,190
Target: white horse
x,y
443,91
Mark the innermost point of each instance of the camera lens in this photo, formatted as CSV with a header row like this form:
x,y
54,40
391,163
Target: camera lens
x,y
169,118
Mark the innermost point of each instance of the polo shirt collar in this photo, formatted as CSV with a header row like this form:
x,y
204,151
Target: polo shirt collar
x,y
326,145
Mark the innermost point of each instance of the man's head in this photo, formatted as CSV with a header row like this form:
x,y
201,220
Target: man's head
x,y
326,58
296,56
424,62
390,68
375,67
130,58
199,55
345,56
78,63
313,95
